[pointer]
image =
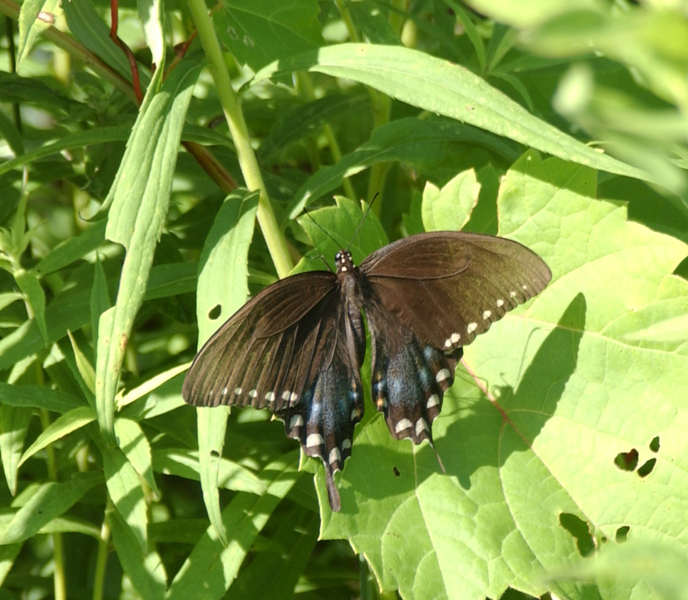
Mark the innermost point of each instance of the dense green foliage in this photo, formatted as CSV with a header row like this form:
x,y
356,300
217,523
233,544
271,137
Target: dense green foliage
x,y
128,235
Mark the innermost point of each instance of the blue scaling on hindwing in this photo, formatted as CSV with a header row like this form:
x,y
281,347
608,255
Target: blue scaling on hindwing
x,y
408,387
324,420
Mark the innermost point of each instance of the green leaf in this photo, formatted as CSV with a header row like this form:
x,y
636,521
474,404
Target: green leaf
x,y
71,250
125,491
669,330
223,268
85,367
135,220
100,299
567,394
443,88
61,427
145,569
36,396
260,32
212,565
14,423
450,207
662,566
527,14
33,292
31,25
420,143
229,475
136,448
47,502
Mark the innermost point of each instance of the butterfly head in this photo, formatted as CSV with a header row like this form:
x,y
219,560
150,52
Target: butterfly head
x,y
344,262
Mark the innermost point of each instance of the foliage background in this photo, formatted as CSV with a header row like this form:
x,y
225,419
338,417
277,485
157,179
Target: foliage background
x,y
128,236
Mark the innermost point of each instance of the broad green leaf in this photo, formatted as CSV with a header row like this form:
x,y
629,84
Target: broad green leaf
x,y
136,448
126,493
14,423
568,394
140,197
222,281
62,426
443,88
48,501
661,567
669,330
261,31
212,565
420,143
450,207
145,569
229,475
152,19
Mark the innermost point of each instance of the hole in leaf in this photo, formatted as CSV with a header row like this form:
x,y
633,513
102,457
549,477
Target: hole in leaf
x,y
647,468
214,312
396,472
654,444
622,534
627,461
580,531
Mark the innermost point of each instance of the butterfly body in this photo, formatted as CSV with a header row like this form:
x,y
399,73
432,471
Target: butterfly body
x,y
297,346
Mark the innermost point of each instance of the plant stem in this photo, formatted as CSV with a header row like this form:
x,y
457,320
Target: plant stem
x,y
239,131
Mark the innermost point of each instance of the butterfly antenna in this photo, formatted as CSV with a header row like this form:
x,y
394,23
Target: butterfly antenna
x,y
320,227
365,214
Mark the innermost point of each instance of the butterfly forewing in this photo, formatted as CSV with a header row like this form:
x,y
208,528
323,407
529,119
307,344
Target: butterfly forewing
x,y
277,325
448,287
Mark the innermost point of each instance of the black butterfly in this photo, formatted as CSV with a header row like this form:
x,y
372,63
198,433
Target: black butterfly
x,y
296,348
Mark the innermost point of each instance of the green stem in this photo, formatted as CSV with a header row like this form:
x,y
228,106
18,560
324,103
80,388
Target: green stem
x,y
101,560
59,581
237,126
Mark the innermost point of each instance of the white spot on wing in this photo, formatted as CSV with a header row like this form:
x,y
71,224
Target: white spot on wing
x,y
471,327
285,395
455,337
335,456
487,314
346,444
448,343
499,303
292,399
512,294
296,421
313,440
433,400
421,426
442,376
270,397
402,424
237,392
224,392
253,393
